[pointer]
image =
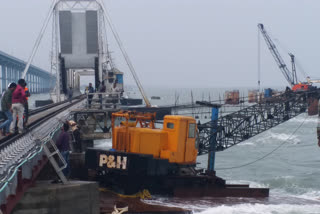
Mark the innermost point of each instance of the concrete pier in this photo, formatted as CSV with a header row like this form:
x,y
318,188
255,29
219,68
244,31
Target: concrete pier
x,y
78,197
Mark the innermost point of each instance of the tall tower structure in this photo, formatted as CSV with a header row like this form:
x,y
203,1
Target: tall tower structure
x,y
79,45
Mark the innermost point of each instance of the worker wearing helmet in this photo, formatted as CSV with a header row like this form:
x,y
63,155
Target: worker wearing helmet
x,y
26,106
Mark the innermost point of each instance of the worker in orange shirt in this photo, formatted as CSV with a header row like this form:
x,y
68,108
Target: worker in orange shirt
x,y
26,106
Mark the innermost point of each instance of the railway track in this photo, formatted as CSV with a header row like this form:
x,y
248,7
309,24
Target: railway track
x,y
5,141
46,107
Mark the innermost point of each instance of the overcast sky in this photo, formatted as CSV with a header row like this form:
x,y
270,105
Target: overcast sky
x,y
186,43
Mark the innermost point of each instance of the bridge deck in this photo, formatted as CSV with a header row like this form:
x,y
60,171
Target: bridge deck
x,y
33,118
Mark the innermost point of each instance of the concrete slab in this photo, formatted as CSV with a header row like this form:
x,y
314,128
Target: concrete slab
x,y
78,197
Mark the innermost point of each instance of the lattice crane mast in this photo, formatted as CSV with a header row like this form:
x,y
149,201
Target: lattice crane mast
x,y
294,70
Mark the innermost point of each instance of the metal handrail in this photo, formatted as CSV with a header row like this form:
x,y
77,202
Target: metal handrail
x,y
103,98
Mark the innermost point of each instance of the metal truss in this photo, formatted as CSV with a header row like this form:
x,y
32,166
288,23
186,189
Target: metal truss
x,y
248,122
78,5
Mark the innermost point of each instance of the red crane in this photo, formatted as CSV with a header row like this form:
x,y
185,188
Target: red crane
x,y
291,76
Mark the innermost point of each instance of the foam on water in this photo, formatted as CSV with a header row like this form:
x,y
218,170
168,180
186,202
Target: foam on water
x,y
103,144
195,205
247,143
311,195
283,136
249,208
300,119
271,137
306,194
253,184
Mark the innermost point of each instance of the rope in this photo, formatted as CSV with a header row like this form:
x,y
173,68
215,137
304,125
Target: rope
x,y
144,194
120,210
269,153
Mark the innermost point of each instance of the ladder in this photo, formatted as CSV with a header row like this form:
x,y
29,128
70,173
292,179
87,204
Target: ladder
x,y
52,160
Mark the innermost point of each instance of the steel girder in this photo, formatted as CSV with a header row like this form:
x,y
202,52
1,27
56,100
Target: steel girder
x,y
248,122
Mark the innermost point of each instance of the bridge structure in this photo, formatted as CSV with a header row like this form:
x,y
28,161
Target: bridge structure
x,y
11,70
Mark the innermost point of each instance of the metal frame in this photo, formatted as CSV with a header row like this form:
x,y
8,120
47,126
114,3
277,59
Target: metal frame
x,y
78,5
234,128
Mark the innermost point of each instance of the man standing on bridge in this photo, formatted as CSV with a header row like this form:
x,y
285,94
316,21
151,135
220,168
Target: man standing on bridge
x,y
70,94
26,106
90,96
6,103
18,102
102,89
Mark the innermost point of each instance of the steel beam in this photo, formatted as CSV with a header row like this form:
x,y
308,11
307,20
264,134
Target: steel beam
x,y
234,128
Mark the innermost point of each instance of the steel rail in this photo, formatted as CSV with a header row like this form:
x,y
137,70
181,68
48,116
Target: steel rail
x,y
7,141
46,107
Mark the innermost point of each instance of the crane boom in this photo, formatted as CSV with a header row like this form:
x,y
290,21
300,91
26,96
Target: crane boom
x,y
275,53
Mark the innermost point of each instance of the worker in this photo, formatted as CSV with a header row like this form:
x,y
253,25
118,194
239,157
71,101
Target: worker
x,y
6,103
70,94
98,86
90,96
64,147
18,102
26,106
101,90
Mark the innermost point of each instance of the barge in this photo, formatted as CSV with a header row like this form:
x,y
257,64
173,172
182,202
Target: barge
x,y
162,161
